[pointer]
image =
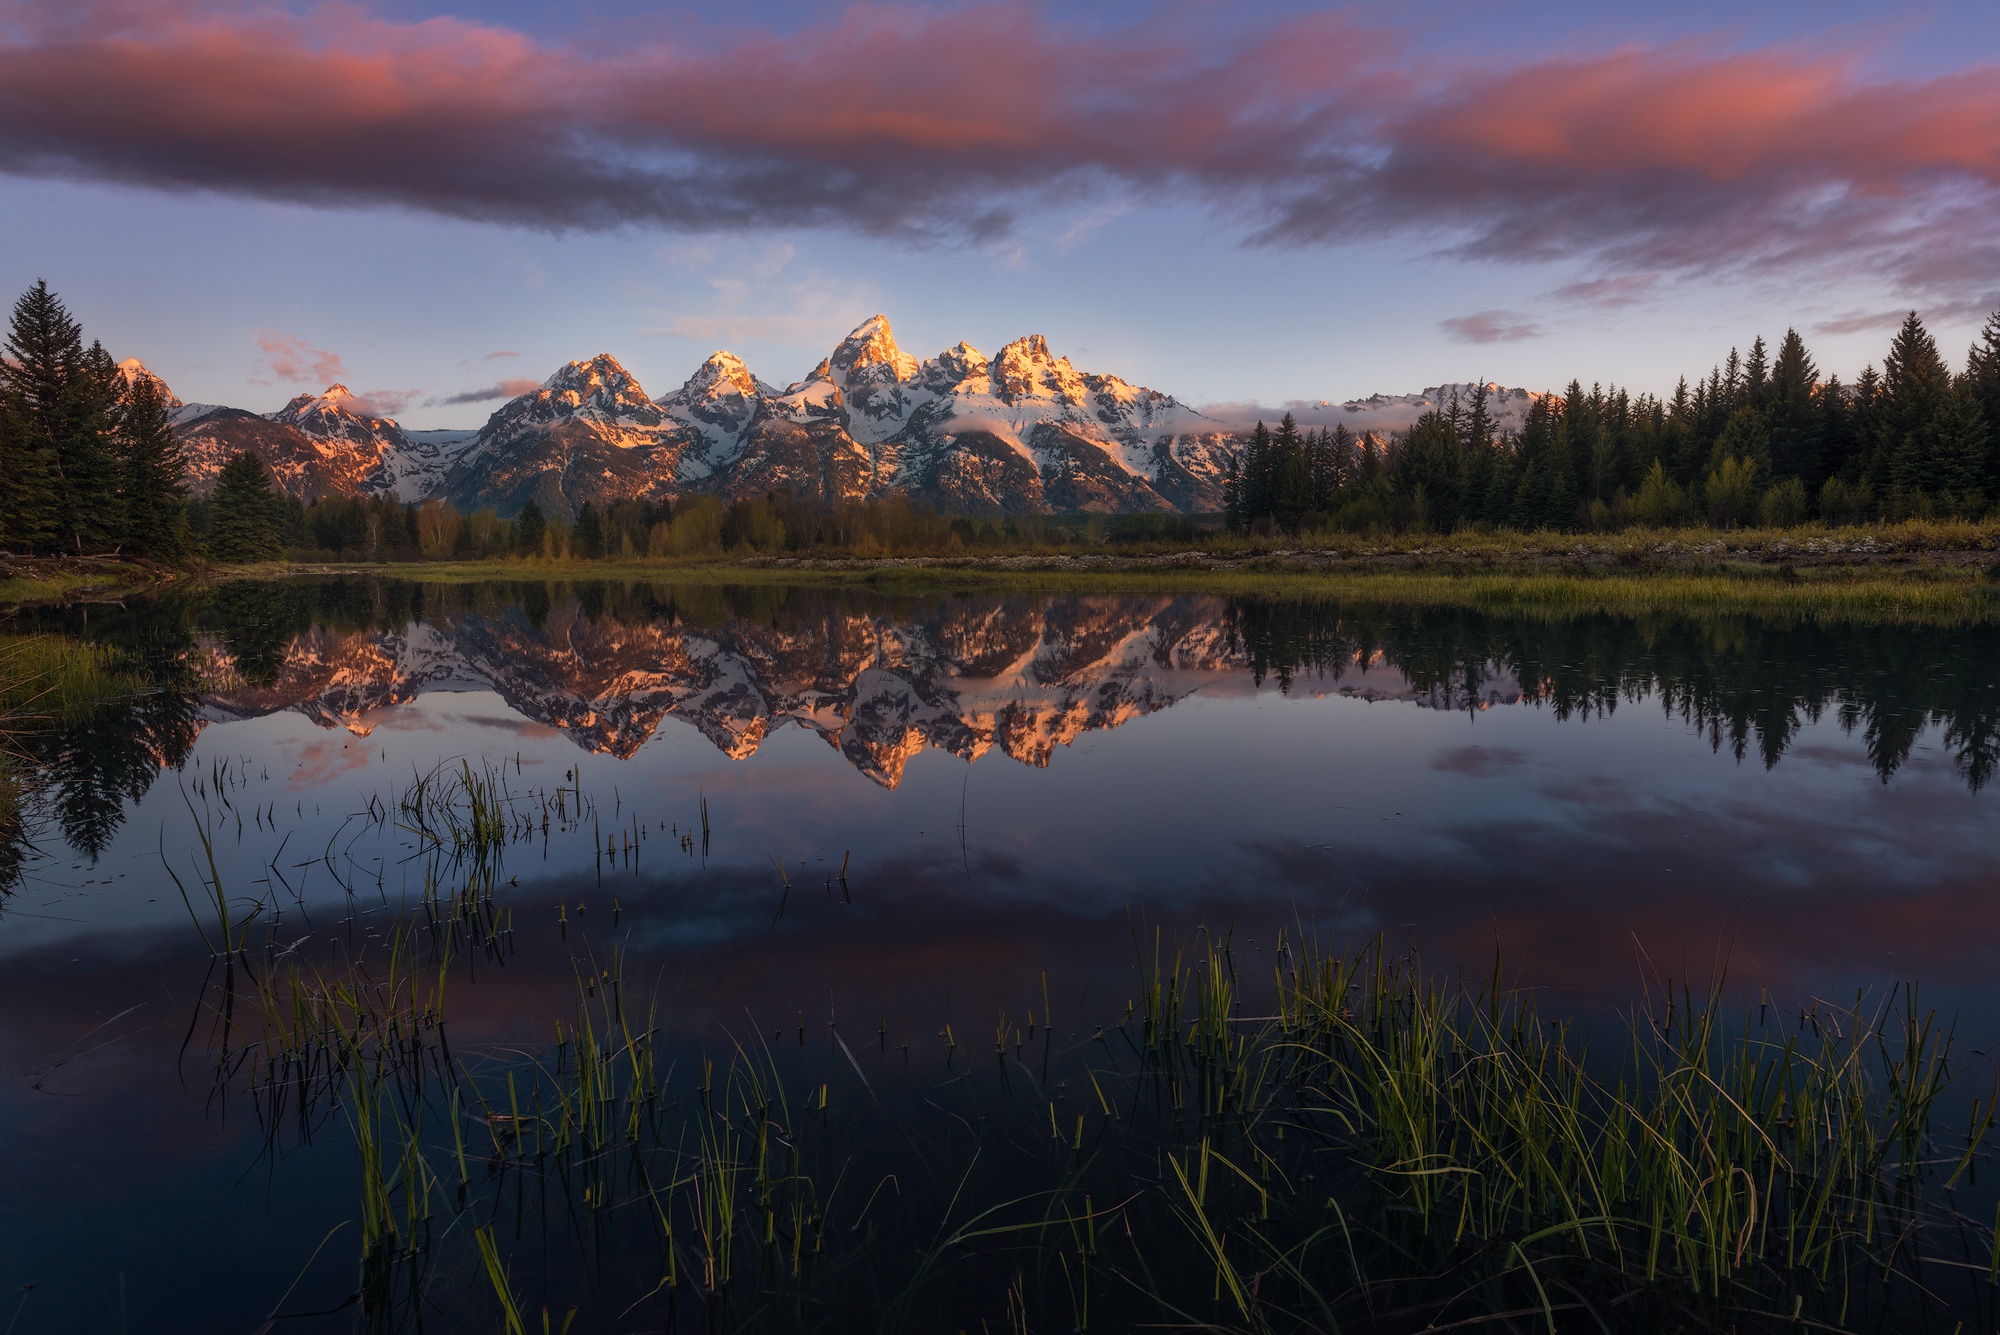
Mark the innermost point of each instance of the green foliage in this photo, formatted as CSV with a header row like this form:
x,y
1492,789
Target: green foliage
x,y
1660,503
1731,493
244,519
1785,505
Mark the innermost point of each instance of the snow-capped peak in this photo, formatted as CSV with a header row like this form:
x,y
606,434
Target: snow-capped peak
x,y
317,414
870,352
1026,369
717,402
134,370
723,375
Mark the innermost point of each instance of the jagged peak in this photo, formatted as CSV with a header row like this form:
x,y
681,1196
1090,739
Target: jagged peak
x,y
872,344
133,369
601,369
723,373
1033,346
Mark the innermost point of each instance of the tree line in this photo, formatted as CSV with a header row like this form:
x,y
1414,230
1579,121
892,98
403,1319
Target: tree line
x,y
90,464
1761,440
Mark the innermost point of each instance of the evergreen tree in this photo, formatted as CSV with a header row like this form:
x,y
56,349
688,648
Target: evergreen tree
x,y
1982,375
1946,456
532,526
1836,428
589,533
1291,476
154,475
1428,464
1916,389
43,352
1479,420
1756,375
94,515
243,522
1793,413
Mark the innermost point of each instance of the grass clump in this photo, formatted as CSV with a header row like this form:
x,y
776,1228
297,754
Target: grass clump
x,y
1345,1142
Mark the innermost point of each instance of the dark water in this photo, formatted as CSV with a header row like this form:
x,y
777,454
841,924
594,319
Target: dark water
x,y
1015,787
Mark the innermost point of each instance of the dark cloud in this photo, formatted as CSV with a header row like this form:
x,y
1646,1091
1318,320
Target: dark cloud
x,y
946,124
506,389
1490,327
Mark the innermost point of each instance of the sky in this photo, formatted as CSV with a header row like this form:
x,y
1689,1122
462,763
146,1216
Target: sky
x,y
1239,204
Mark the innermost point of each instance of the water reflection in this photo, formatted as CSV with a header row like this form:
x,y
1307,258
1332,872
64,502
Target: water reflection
x,y
882,678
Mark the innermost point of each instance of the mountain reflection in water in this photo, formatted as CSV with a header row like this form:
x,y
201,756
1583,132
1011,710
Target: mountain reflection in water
x,y
881,677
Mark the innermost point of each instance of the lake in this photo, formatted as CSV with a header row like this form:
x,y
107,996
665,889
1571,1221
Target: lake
x,y
870,824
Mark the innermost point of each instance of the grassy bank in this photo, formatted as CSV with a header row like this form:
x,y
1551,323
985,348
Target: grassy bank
x,y
28,581
1932,594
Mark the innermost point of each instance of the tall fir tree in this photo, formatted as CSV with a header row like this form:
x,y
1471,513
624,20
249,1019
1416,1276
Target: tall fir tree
x,y
243,513
43,351
1982,375
590,537
531,526
1916,391
1794,414
154,475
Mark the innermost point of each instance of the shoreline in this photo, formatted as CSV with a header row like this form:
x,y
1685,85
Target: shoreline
x,y
1927,570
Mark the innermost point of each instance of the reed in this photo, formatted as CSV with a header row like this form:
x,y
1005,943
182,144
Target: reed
x,y
1332,1140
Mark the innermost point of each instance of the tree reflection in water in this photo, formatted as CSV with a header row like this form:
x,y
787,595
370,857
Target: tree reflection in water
x,y
1749,683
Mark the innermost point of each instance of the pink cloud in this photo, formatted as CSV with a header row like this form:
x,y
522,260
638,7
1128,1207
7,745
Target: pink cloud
x,y
1490,327
949,123
384,402
292,359
1618,290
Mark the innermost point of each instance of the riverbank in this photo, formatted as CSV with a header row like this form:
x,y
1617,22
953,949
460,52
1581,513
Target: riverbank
x,y
1930,570
43,580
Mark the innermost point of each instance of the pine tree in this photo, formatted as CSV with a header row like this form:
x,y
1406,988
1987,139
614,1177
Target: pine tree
x,y
1836,427
1982,374
1916,385
532,526
589,533
1291,476
1945,457
1793,414
243,515
43,349
1479,420
154,475
92,514
1756,374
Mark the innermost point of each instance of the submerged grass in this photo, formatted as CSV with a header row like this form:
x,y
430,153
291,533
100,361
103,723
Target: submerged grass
x,y
1332,1141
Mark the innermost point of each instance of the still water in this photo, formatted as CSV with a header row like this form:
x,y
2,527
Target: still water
x,y
904,812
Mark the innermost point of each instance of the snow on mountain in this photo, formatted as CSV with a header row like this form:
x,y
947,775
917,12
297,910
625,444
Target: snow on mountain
x,y
589,433
355,447
1022,432
715,405
134,370
1389,413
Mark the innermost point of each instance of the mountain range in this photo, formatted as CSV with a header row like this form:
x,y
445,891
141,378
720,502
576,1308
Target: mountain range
x,y
1023,432
1024,676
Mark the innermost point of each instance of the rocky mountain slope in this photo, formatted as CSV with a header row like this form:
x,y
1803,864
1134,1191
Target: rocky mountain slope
x,y
1022,432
